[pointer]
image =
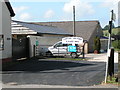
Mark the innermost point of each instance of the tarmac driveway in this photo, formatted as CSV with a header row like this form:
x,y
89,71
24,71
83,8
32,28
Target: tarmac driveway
x,y
55,72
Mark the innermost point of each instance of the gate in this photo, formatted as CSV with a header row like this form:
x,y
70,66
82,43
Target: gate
x,y
20,48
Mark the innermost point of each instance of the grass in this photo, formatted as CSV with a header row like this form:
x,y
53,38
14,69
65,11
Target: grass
x,y
113,81
74,59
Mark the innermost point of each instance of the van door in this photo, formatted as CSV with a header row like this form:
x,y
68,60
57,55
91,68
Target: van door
x,y
60,49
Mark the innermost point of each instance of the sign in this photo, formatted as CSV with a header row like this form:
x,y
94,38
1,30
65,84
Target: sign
x,y
72,49
72,40
37,43
114,16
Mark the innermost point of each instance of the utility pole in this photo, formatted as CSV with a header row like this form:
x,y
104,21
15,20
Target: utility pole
x,y
74,33
109,44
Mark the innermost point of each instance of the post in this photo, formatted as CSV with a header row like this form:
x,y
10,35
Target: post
x,y
111,64
83,51
109,46
74,34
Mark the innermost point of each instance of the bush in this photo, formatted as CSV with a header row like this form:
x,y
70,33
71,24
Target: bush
x,y
116,44
97,44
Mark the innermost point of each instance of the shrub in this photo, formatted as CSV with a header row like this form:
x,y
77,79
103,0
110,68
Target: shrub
x,y
97,44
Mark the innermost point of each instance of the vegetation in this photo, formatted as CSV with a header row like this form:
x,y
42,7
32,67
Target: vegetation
x,y
113,81
97,44
115,31
107,27
116,44
76,59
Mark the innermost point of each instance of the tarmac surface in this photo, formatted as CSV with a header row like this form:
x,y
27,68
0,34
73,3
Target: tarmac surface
x,y
42,73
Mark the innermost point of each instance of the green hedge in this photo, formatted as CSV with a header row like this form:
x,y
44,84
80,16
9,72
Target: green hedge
x,y
116,44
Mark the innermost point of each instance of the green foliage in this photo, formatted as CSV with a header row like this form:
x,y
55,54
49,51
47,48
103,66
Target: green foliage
x,y
97,44
113,81
116,44
115,31
107,27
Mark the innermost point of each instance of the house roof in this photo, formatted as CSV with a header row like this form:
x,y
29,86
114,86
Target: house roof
x,y
12,14
83,28
39,29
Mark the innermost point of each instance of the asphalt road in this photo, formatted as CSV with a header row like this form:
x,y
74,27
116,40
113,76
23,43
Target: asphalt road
x,y
51,72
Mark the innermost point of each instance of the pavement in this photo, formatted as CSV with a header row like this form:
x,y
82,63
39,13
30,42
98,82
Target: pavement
x,y
59,74
101,57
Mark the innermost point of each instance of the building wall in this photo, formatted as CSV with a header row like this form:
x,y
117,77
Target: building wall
x,y
5,23
0,26
97,32
44,41
104,44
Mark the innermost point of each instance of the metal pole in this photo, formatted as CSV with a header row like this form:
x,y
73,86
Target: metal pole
x,y
74,21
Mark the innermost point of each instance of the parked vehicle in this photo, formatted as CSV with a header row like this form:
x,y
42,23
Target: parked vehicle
x,y
71,46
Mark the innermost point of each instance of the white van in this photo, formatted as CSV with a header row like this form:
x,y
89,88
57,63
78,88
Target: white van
x,y
61,48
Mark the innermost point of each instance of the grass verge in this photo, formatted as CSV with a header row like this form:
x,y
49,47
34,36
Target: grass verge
x,y
113,81
74,59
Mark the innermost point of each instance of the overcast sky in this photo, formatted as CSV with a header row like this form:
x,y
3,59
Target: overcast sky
x,y
62,10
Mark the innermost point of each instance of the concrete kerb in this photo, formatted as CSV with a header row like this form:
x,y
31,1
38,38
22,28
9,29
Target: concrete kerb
x,y
57,86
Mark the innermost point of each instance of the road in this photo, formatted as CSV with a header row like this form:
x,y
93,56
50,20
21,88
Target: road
x,y
55,72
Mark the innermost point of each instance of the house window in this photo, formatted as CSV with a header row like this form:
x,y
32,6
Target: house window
x,y
1,42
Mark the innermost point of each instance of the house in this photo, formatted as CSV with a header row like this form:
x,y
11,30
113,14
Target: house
x,y
6,12
88,30
36,37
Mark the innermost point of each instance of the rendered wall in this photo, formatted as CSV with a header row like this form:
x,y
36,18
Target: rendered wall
x,y
5,22
44,42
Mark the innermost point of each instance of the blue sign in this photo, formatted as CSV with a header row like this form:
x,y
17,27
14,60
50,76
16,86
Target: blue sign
x,y
72,49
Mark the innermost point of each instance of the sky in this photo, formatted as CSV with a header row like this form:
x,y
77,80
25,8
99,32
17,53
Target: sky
x,y
62,10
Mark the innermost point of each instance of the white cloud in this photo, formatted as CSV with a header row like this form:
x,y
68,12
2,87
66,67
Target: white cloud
x,y
82,8
49,14
20,9
111,5
24,16
21,13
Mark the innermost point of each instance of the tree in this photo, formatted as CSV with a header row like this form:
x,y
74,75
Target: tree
x,y
107,27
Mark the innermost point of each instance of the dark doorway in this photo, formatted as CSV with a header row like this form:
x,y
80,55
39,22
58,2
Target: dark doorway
x,y
20,48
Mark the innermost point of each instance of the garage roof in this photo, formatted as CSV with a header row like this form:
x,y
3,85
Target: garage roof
x,y
40,29
83,29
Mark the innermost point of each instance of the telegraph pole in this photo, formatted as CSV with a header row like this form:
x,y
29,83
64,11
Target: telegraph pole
x,y
74,33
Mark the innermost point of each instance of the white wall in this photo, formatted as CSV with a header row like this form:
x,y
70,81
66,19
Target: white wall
x,y
6,31
44,42
0,25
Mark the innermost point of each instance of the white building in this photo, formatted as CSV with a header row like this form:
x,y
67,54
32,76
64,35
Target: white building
x,y
6,12
42,35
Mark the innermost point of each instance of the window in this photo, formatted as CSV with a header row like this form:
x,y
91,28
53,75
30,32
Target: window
x,y
1,42
58,44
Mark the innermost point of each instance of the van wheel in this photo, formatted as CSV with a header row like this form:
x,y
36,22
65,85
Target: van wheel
x,y
74,55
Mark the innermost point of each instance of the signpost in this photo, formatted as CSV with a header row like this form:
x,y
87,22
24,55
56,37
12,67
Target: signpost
x,y
109,47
